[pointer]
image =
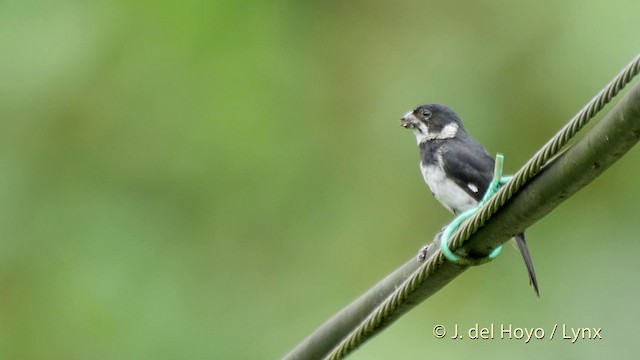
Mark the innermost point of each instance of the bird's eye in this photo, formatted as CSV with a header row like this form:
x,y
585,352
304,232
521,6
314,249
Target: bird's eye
x,y
426,113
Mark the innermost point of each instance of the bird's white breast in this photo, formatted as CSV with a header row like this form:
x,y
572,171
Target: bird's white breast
x,y
448,193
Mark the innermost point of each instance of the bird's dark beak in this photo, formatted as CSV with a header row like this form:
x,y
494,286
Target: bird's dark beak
x,y
408,121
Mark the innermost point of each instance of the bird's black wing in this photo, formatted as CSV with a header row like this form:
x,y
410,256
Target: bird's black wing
x,y
470,167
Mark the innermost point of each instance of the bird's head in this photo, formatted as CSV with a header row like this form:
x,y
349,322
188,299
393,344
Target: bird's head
x,y
432,122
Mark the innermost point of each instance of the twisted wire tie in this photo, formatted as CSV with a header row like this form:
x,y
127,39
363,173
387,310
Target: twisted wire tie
x,y
497,182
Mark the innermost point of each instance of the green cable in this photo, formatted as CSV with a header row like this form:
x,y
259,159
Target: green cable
x,y
497,182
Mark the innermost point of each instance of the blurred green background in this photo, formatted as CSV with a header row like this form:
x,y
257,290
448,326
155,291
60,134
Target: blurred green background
x,y
207,180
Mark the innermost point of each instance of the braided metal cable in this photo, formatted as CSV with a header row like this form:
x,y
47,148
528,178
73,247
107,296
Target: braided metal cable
x,y
550,149
377,318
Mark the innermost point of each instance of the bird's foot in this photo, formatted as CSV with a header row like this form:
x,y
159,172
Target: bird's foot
x,y
422,254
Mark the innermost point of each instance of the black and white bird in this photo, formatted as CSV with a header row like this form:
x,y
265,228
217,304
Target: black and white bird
x,y
456,168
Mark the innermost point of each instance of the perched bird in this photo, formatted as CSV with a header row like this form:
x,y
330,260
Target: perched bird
x,y
456,168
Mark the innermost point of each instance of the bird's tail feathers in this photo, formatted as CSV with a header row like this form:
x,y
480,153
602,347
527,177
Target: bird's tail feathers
x,y
522,246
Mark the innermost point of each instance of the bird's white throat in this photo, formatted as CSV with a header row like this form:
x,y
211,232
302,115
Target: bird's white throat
x,y
449,131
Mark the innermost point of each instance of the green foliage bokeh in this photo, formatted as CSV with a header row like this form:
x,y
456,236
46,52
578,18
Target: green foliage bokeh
x,y
215,179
